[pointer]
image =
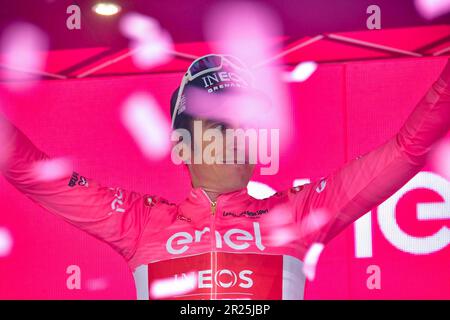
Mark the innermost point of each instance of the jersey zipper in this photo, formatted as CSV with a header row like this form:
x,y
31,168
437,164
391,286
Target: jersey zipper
x,y
213,254
213,207
213,249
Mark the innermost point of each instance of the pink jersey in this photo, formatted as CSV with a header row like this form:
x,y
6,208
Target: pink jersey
x,y
232,247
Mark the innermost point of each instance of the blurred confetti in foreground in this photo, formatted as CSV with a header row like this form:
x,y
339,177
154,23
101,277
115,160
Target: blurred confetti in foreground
x,y
151,45
301,72
282,236
24,53
314,222
281,216
6,242
142,117
282,229
440,158
171,287
430,9
311,259
251,32
5,141
259,190
245,109
53,169
247,30
97,284
285,229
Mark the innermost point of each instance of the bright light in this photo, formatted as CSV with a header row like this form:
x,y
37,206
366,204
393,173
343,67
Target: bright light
x,y
106,8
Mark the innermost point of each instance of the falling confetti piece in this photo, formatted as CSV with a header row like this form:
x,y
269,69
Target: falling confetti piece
x,y
5,141
165,288
301,72
311,259
151,52
138,26
314,221
53,169
24,49
440,158
282,236
97,284
6,242
151,45
259,190
143,118
244,109
280,216
430,9
249,32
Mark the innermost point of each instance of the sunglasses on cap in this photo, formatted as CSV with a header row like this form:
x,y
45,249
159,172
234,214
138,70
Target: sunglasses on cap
x,y
201,66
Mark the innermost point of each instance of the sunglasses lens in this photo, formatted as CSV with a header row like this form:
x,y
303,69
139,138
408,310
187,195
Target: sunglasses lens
x,y
205,63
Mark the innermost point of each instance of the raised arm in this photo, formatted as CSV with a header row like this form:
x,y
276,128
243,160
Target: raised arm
x,y
112,215
367,181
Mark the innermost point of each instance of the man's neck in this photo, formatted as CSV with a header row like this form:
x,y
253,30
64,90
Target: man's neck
x,y
212,195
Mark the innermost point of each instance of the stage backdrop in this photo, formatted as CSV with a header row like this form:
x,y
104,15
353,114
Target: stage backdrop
x,y
342,111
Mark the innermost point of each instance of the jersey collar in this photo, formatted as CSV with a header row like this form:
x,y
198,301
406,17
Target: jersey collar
x,y
198,204
199,196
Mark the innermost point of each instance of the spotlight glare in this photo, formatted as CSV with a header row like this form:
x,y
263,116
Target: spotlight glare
x,y
106,8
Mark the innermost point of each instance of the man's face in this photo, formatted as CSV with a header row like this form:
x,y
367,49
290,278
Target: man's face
x,y
229,171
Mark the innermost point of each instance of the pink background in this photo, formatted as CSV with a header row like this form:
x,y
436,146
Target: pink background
x,y
342,111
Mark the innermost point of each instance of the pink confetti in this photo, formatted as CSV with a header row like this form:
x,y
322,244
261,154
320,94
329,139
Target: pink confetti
x,y
152,52
281,236
239,110
53,169
248,31
259,190
5,142
144,120
97,284
314,221
24,49
311,259
430,9
281,228
6,242
440,158
171,287
301,72
243,29
151,44
280,216
137,26
249,111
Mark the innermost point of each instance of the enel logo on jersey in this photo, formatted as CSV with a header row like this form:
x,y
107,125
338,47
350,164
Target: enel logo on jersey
x,y
179,242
